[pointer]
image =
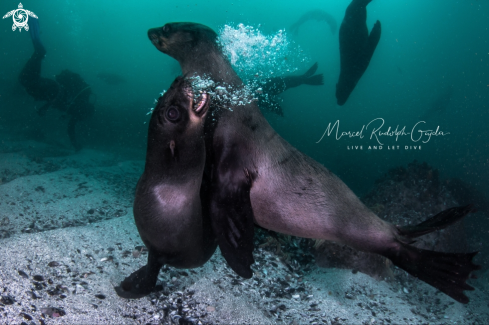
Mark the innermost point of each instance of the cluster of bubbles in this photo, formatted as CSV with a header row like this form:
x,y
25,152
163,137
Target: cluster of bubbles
x,y
226,95
256,55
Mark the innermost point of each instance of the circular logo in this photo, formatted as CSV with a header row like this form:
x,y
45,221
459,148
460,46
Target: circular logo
x,y
20,18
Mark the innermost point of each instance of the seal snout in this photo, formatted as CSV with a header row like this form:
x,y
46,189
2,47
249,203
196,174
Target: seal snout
x,y
156,38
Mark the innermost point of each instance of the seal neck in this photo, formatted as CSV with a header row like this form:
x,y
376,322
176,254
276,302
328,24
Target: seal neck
x,y
210,62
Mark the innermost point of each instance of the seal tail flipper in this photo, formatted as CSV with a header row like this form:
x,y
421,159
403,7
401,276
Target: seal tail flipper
x,y
439,221
445,271
311,71
309,78
316,80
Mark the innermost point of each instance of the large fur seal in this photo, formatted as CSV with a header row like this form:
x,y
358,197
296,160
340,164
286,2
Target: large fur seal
x,y
257,177
356,48
167,207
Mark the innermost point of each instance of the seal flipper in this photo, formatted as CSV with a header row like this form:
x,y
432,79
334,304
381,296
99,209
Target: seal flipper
x,y
439,221
309,78
232,217
372,41
141,282
316,80
233,225
444,271
311,71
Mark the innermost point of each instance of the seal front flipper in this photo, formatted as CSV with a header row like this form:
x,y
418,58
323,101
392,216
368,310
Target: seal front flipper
x,y
372,41
232,217
143,281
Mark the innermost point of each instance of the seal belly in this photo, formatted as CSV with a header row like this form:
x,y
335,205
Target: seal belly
x,y
165,207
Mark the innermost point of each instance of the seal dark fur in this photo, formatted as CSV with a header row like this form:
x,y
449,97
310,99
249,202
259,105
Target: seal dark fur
x,y
167,207
356,48
258,177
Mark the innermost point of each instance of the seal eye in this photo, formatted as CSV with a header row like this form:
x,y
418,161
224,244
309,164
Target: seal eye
x,y
166,28
172,114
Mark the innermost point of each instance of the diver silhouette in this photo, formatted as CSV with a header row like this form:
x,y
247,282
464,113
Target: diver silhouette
x,y
68,93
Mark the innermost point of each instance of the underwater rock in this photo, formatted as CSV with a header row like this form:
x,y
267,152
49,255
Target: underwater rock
x,y
7,300
410,195
53,312
23,274
465,193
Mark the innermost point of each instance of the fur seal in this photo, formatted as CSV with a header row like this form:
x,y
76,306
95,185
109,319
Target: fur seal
x,y
356,48
257,177
167,207
267,97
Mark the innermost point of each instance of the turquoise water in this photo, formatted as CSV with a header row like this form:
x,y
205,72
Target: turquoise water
x,y
425,49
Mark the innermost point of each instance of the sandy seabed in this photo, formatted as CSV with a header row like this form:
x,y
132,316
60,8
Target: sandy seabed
x,y
67,237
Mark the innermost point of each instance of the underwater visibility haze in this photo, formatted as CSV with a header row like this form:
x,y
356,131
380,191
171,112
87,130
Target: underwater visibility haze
x,y
119,178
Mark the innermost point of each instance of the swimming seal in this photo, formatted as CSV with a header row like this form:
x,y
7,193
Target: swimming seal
x,y
167,207
356,48
257,177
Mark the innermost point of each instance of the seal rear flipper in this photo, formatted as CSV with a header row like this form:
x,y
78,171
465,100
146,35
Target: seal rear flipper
x,y
311,71
316,80
307,78
439,221
232,220
142,282
445,271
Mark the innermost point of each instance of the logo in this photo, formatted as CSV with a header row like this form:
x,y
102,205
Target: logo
x,y
20,17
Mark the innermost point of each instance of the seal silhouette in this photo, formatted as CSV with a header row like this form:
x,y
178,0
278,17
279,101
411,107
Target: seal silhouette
x,y
356,48
167,207
257,177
